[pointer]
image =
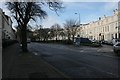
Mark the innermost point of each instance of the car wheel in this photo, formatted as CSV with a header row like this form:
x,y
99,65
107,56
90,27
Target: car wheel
x,y
118,53
115,51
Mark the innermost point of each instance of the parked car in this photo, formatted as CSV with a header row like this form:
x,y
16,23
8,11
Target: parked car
x,y
116,47
114,41
82,40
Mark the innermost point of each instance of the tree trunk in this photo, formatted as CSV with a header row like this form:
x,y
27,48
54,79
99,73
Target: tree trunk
x,y
73,37
56,36
68,37
62,37
24,39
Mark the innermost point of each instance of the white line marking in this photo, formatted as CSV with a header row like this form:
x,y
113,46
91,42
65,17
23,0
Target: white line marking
x,y
82,51
35,53
98,50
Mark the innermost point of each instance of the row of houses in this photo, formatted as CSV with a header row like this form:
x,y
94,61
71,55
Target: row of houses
x,y
8,33
106,28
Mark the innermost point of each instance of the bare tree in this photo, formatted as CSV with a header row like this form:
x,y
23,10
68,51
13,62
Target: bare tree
x,y
56,28
40,31
51,34
23,12
62,34
71,28
45,34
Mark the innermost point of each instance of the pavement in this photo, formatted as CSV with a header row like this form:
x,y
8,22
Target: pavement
x,y
16,64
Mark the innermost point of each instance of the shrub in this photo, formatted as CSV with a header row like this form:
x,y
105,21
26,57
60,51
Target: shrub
x,y
68,42
91,44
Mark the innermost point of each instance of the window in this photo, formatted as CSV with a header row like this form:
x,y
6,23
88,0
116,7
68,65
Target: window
x,y
102,22
2,22
105,28
98,23
112,36
116,36
116,24
108,28
106,20
119,35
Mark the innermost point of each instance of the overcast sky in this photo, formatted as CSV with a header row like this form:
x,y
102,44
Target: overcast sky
x,y
89,11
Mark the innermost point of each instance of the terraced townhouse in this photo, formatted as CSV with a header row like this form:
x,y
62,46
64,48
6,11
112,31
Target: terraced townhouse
x,y
6,29
106,28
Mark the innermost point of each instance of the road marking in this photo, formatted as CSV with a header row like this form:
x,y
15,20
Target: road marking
x,y
82,51
35,53
94,54
111,50
98,50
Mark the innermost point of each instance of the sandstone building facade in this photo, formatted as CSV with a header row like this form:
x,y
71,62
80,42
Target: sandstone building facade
x,y
106,28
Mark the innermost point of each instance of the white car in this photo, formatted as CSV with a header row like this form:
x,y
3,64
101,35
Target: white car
x,y
116,47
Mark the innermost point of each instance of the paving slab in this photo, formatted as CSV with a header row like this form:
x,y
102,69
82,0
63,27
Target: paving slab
x,y
17,64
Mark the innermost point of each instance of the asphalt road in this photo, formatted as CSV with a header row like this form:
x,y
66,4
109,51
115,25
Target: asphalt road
x,y
82,62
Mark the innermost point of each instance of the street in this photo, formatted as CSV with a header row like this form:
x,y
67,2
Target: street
x,y
60,39
79,62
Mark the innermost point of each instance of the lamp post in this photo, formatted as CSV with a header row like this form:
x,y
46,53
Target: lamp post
x,y
79,20
79,17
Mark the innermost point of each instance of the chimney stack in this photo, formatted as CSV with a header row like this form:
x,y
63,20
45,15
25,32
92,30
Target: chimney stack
x,y
99,18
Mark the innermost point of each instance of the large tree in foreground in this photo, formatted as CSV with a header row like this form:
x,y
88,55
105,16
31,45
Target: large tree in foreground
x,y
23,12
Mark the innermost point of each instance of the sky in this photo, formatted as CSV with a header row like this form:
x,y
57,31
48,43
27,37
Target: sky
x,y
88,11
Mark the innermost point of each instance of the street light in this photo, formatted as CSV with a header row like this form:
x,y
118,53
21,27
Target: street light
x,y
79,21
79,17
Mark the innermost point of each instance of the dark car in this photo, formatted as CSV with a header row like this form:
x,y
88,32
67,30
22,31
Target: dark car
x,y
78,41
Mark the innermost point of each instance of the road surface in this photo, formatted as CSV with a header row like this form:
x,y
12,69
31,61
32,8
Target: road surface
x,y
79,62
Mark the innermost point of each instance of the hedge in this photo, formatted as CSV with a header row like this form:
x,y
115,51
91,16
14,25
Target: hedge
x,y
6,43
